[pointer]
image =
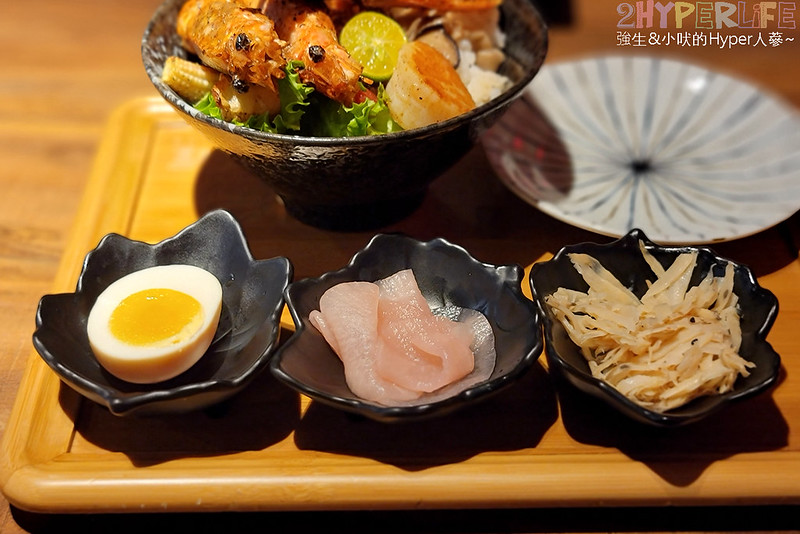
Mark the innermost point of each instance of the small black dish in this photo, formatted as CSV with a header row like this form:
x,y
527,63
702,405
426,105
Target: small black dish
x,y
252,295
759,308
446,274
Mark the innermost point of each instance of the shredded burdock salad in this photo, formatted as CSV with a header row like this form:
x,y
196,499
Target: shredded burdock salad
x,y
670,346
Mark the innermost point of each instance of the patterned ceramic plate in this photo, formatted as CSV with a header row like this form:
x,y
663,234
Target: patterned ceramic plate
x,y
686,154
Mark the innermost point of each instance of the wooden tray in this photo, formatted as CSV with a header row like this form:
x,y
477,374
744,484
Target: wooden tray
x,y
534,445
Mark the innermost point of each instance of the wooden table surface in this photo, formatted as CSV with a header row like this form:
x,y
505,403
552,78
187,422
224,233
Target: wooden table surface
x,y
67,66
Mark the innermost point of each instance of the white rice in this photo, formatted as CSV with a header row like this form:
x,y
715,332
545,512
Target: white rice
x,y
483,85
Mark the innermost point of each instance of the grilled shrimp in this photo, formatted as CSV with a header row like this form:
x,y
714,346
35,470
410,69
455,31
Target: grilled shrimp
x,y
235,39
425,88
311,37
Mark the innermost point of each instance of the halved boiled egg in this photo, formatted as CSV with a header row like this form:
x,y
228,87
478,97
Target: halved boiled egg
x,y
151,325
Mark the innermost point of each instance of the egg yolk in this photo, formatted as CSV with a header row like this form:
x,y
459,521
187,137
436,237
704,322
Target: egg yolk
x,y
156,316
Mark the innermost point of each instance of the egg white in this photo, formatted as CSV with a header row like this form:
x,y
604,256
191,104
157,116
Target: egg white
x,y
147,363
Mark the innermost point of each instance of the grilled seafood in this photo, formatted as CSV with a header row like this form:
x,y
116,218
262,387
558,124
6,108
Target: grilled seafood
x,y
425,88
251,43
235,39
311,37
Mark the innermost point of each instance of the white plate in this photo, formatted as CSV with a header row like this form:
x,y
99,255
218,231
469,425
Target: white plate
x,y
687,155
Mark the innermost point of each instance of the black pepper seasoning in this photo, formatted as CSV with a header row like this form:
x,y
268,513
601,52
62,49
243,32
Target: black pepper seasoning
x,y
240,85
242,42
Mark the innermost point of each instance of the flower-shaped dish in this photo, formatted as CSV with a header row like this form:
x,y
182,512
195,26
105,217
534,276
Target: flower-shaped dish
x,y
360,182
686,154
758,309
247,332
447,275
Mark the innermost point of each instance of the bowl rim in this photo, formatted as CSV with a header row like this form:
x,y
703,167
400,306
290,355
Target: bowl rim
x,y
513,275
610,394
258,136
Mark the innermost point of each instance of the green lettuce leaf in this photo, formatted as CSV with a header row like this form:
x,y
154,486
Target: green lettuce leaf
x,y
294,99
208,105
370,117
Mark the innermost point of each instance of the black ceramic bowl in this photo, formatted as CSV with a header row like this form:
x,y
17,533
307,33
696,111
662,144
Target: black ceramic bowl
x,y
252,301
363,182
446,275
622,258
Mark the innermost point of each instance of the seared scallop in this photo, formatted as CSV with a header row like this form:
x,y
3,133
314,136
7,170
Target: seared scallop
x,y
425,88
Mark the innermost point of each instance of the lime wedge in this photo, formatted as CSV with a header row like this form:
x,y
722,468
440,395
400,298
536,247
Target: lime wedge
x,y
374,40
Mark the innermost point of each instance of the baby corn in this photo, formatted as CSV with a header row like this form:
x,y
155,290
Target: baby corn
x,y
189,79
